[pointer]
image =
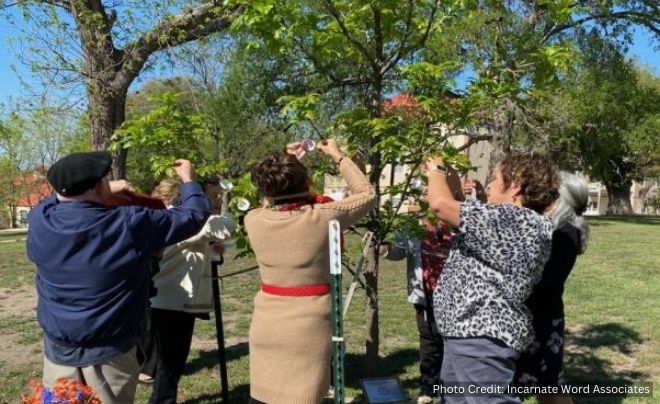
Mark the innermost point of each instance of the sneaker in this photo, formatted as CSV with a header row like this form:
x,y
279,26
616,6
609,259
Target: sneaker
x,y
424,399
145,378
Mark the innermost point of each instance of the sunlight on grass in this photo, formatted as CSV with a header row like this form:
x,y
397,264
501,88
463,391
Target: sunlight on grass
x,y
612,315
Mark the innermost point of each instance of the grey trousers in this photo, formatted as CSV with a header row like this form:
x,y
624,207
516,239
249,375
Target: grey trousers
x,y
475,363
114,381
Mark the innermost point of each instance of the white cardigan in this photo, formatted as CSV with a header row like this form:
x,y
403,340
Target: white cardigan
x,y
184,280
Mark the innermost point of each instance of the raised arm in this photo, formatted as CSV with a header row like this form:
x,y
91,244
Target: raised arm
x,y
362,197
154,229
440,196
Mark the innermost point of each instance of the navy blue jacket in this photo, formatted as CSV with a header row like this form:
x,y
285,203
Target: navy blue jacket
x,y
93,264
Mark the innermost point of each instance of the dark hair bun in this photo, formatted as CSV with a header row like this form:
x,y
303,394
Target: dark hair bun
x,y
280,174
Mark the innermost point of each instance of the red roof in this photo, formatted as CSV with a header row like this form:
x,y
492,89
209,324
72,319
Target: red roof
x,y
402,103
33,188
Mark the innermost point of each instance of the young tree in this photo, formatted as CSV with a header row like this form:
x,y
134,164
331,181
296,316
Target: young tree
x,y
108,44
349,58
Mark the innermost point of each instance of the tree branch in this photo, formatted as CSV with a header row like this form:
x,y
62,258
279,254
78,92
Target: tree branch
x,y
8,5
59,3
320,68
193,24
378,32
403,50
642,18
332,10
474,139
97,6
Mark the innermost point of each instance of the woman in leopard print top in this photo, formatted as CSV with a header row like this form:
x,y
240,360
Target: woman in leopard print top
x,y
498,254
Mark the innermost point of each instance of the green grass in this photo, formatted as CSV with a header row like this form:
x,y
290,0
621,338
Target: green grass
x,y
15,269
612,315
25,329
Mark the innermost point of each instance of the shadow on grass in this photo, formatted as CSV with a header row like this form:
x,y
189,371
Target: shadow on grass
x,y
238,394
209,359
584,366
393,364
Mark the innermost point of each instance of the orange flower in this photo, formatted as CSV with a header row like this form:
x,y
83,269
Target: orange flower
x,y
66,391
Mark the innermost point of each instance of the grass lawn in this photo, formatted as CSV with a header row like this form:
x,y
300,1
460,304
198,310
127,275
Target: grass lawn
x,y
612,315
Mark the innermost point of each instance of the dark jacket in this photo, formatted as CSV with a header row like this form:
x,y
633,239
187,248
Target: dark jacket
x,y
93,264
546,300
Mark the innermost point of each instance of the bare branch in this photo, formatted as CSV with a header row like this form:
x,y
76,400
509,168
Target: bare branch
x,y
475,139
647,20
65,4
193,24
8,5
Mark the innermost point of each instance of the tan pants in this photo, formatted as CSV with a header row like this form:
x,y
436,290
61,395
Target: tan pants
x,y
113,381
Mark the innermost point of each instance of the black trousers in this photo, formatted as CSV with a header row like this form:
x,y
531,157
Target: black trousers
x,y
430,349
173,331
147,354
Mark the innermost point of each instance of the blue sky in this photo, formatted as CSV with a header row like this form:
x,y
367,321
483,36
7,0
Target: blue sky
x,y
641,50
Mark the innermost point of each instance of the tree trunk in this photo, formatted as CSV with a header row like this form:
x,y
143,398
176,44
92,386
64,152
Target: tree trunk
x,y
107,113
501,138
619,198
372,339
12,216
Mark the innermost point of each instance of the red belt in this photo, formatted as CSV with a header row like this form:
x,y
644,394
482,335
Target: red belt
x,y
303,290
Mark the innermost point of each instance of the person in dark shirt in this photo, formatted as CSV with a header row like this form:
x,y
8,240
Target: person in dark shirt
x,y
542,363
93,270
425,258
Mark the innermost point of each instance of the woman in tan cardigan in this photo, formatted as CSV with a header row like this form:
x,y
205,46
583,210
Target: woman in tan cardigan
x,y
290,346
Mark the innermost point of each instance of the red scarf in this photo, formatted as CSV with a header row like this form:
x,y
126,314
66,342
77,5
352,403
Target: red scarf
x,y
297,204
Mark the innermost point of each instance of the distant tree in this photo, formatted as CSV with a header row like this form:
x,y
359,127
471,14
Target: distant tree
x,y
604,120
517,49
244,110
14,158
107,45
239,111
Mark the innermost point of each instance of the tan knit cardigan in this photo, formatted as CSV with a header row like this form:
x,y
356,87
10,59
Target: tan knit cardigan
x,y
290,347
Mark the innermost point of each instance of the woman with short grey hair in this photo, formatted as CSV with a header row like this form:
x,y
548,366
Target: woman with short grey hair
x,y
542,363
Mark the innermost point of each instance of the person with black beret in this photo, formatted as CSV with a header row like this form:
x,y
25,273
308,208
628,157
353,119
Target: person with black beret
x,y
93,270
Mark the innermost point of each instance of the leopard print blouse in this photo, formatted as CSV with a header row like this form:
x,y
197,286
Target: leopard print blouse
x,y
497,256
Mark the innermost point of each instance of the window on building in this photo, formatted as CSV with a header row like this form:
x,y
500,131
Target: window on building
x,y
592,207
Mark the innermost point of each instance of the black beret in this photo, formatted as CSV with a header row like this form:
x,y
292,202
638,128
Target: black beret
x,y
78,172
